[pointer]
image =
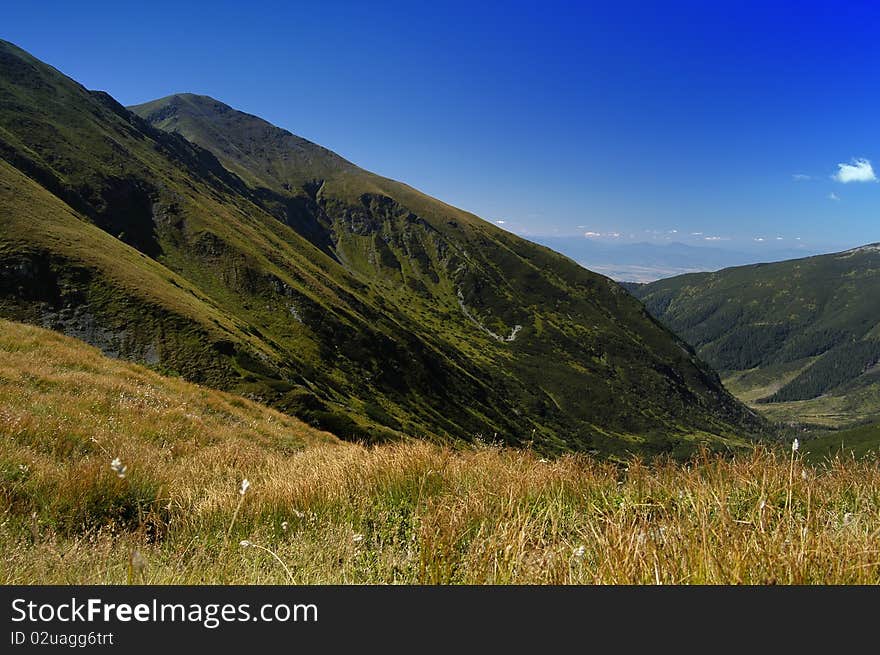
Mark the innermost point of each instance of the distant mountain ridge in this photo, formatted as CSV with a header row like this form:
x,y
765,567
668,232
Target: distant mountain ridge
x,y
646,262
211,244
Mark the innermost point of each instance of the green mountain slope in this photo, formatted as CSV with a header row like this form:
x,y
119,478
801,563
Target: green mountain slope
x,y
251,260
801,337
858,442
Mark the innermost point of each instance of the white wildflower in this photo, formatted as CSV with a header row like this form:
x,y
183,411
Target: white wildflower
x,y
118,467
543,461
285,525
795,445
762,505
298,514
848,518
137,561
357,538
580,551
245,485
804,475
244,543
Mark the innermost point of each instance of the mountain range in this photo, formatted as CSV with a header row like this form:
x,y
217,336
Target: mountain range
x,y
646,262
210,244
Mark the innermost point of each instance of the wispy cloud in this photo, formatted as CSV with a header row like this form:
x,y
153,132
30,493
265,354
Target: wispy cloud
x,y
713,238
501,222
833,196
860,170
592,235
801,177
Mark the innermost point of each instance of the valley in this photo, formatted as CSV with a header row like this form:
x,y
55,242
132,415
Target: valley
x,y
229,355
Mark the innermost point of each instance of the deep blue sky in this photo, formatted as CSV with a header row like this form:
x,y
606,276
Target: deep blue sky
x,y
678,122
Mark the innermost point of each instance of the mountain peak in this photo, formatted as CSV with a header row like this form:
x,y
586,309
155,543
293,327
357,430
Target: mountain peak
x,y
188,102
257,151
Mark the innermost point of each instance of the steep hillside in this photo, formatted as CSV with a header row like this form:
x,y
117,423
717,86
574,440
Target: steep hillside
x,y
66,400
173,509
257,262
801,337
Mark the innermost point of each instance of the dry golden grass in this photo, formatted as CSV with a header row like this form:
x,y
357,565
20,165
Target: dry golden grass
x,y
321,511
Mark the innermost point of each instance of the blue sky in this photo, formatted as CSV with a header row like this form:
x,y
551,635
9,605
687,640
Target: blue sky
x,y
702,122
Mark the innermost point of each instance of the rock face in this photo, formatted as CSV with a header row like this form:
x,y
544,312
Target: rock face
x,y
210,243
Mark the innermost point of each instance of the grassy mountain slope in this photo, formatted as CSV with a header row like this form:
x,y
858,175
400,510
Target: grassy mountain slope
x,y
862,442
407,512
342,209
799,338
263,264
67,411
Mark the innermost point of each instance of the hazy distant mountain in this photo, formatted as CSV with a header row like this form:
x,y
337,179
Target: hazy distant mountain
x,y
238,255
647,262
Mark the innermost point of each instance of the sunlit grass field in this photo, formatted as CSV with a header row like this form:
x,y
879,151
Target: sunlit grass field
x,y
174,510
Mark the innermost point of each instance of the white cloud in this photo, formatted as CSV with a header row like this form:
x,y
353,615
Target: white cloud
x,y
759,239
501,222
800,177
714,239
833,196
599,235
780,238
860,170
696,234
